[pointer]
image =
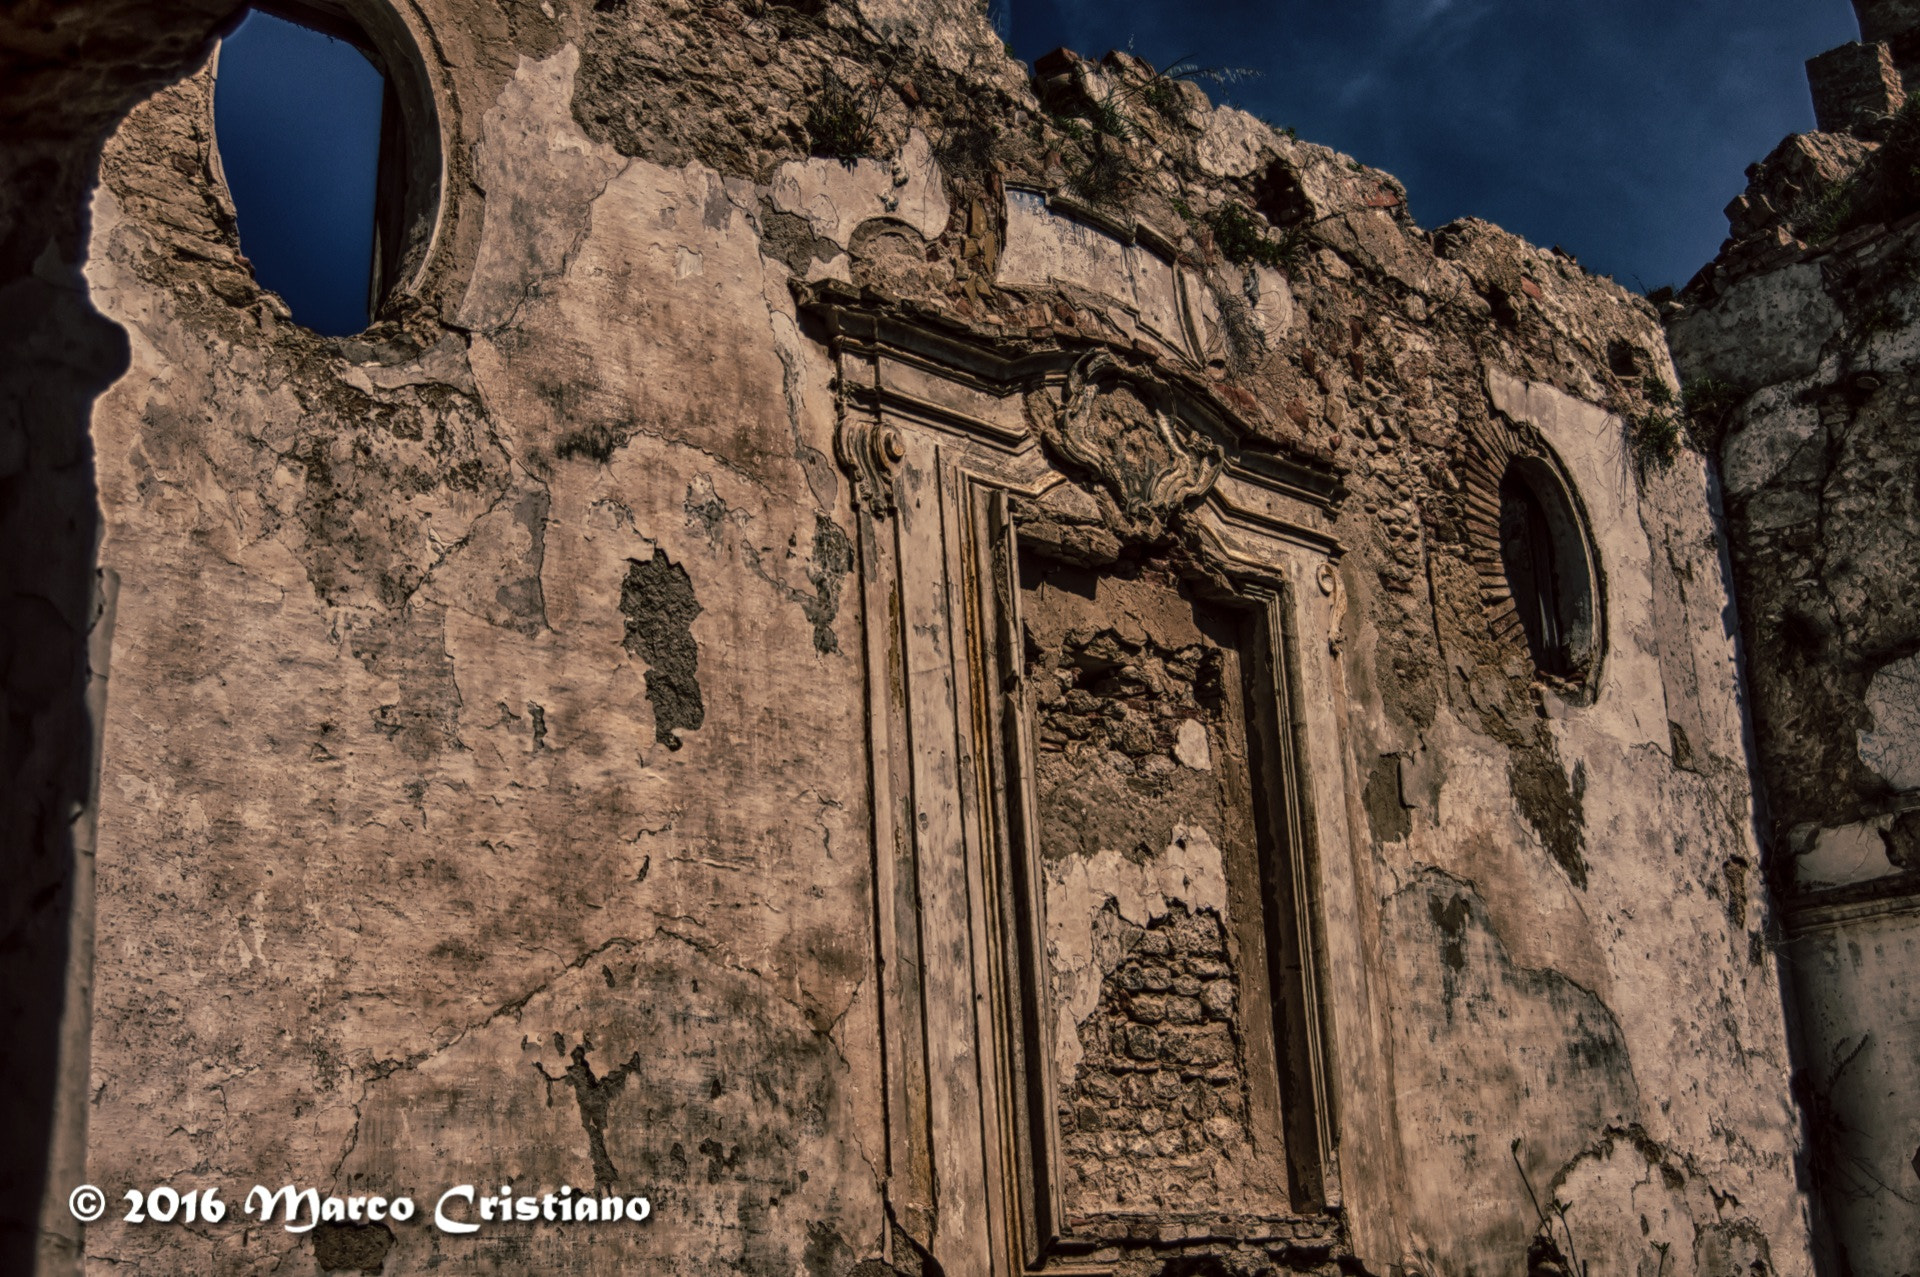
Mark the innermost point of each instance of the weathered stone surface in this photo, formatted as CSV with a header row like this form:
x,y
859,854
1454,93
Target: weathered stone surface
x,y
496,781
1816,397
1891,744
1781,320
1854,85
1795,193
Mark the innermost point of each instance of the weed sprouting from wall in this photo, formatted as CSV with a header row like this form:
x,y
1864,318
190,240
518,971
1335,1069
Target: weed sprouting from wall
x,y
1884,189
840,120
1101,177
1709,404
1160,89
1544,1256
1242,238
1656,437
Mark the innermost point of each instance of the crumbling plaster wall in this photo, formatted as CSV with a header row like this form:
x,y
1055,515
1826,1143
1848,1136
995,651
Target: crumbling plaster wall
x,y
1811,346
414,588
67,73
485,779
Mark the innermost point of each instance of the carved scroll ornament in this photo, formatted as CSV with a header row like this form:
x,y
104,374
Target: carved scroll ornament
x,y
1117,427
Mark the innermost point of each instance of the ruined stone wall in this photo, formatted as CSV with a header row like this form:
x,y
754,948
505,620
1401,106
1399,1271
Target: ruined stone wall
x,y
1800,343
69,72
488,789
1167,1047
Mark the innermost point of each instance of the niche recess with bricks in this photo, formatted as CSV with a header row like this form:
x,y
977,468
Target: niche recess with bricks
x,y
1114,906
1173,1042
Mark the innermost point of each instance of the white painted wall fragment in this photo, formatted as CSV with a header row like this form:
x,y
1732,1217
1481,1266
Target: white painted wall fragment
x,y
1045,247
1191,871
836,196
1892,745
1190,746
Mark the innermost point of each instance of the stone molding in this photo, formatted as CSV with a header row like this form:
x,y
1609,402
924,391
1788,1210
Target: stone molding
x,y
943,432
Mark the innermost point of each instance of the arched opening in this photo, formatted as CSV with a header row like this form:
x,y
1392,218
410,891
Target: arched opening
x,y
1549,568
329,149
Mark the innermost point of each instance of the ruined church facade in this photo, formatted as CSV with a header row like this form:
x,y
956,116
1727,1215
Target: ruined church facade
x,y
1020,676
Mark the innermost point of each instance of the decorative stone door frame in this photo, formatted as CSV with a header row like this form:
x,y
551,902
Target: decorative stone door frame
x,y
942,435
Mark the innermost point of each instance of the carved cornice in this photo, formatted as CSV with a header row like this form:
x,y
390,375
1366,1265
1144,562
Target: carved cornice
x,y
1153,436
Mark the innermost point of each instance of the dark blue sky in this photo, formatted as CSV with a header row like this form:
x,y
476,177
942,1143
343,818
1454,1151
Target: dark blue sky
x,y
1617,129
297,118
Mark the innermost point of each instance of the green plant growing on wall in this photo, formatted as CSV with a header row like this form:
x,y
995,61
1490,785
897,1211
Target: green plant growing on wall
x,y
1656,437
1242,238
1709,404
1160,90
1087,118
1100,178
1822,218
1698,418
1097,127
1896,168
966,150
1105,118
1884,189
1067,124
1668,426
840,120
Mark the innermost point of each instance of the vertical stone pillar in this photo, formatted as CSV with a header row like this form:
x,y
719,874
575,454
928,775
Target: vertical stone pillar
x,y
1853,85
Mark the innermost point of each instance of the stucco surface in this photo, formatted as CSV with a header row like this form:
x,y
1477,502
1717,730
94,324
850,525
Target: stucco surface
x,y
499,694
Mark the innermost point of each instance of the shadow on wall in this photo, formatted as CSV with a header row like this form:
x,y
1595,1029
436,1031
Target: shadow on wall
x,y
56,355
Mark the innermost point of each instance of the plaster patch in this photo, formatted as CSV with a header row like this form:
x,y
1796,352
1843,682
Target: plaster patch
x,y
1191,871
1848,854
839,268
835,196
1190,746
1272,301
1892,745
541,174
1045,248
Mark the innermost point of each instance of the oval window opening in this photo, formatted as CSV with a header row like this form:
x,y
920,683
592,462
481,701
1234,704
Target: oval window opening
x,y
1549,569
326,142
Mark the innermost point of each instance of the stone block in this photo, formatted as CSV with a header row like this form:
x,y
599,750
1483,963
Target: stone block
x,y
1854,85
